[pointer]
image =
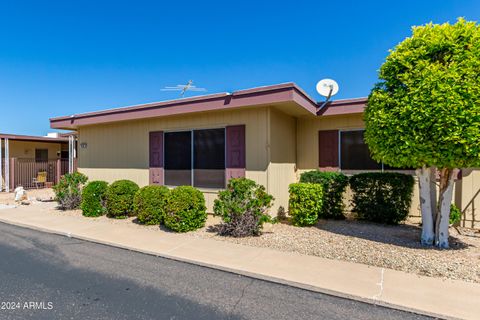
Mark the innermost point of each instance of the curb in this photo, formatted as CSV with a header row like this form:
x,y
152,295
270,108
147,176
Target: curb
x,y
237,272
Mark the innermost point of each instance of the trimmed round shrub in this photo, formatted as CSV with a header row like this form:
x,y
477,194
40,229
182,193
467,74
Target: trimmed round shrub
x,y
93,199
455,215
383,197
185,209
334,185
149,204
68,192
243,207
120,196
305,202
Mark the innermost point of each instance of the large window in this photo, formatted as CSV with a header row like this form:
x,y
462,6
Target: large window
x,y
195,158
178,158
354,152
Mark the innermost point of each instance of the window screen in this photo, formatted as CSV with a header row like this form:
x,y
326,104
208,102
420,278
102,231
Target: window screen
x,y
209,158
354,152
178,158
41,155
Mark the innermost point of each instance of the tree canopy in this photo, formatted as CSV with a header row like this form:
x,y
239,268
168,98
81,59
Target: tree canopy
x,y
425,111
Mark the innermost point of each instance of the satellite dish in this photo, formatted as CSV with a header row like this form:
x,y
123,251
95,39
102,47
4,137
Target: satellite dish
x,y
327,88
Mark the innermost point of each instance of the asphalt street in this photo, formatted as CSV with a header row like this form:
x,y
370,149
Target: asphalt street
x,y
45,276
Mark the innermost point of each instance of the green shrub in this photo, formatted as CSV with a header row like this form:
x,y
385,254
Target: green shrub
x,y
68,192
455,214
305,203
185,209
334,185
383,197
93,199
149,204
120,196
243,208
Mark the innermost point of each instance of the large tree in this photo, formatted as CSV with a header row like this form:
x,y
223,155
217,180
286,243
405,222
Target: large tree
x,y
425,114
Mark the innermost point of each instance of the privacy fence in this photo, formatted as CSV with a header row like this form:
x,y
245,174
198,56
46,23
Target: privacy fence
x,y
29,173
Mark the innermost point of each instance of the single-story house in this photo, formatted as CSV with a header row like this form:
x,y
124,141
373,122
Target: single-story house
x,y
269,134
23,157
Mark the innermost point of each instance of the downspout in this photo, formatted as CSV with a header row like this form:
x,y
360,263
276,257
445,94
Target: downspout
x,y
1,166
269,149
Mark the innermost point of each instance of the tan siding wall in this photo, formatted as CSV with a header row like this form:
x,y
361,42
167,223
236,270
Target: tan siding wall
x,y
120,150
26,149
468,197
281,171
307,136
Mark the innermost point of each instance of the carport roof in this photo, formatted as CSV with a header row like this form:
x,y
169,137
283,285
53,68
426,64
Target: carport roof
x,y
33,138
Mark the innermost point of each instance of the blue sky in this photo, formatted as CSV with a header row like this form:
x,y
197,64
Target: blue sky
x,y
64,57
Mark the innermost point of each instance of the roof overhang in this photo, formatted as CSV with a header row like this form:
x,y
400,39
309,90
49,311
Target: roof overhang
x,y
343,107
17,137
287,96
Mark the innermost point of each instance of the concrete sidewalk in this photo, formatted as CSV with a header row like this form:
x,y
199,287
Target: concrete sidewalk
x,y
432,296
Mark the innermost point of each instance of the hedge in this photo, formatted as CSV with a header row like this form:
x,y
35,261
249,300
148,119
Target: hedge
x,y
243,207
185,209
149,204
334,185
120,196
383,197
93,199
305,202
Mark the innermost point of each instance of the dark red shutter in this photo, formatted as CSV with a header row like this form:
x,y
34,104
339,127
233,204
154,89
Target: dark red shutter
x,y
235,165
328,150
156,158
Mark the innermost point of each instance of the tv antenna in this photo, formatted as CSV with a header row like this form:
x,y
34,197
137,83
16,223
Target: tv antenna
x,y
184,88
327,88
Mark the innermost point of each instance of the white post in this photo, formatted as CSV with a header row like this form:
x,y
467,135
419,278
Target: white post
x,y
1,166
7,165
71,153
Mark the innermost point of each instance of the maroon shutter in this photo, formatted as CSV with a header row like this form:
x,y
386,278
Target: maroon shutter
x,y
235,165
156,158
328,150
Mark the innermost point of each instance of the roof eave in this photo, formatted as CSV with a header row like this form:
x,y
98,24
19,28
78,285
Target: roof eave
x,y
343,107
288,92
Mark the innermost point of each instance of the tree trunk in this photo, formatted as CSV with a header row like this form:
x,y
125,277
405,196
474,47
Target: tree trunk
x,y
447,177
433,192
424,176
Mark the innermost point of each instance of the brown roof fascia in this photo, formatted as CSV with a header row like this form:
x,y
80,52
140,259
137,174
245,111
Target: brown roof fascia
x,y
242,98
32,138
343,107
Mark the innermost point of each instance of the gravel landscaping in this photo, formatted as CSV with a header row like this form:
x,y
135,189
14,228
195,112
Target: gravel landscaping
x,y
394,247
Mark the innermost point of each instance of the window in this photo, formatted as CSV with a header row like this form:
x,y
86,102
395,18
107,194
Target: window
x,y
178,158
209,158
354,152
41,155
195,158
